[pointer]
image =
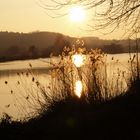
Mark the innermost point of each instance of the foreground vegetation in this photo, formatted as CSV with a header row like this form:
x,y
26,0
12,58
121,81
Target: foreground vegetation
x,y
94,114
76,119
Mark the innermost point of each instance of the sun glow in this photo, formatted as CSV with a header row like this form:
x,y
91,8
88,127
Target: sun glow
x,y
77,14
78,60
78,88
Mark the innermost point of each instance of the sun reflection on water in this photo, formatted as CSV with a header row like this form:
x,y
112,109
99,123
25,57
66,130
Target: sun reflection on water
x,y
78,88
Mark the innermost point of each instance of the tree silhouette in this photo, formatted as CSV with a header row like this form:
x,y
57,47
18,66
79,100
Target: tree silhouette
x,y
14,50
114,13
113,48
32,51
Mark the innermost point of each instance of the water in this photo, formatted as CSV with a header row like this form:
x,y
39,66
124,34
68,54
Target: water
x,y
16,80
18,88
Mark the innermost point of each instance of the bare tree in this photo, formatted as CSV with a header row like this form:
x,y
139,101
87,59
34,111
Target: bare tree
x,y
114,13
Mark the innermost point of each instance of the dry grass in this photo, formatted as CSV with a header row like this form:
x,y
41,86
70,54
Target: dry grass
x,y
97,86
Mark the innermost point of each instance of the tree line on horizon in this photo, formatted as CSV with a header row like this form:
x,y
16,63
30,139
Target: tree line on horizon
x,y
21,46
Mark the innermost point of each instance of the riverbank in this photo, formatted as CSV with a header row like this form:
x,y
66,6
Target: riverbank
x,y
78,119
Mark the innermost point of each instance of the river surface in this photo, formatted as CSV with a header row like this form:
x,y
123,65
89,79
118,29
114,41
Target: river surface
x,y
17,82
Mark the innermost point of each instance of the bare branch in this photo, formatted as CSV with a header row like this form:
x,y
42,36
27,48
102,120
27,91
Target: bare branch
x,y
114,13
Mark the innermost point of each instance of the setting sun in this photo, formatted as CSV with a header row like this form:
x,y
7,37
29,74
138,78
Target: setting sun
x,y
78,60
77,14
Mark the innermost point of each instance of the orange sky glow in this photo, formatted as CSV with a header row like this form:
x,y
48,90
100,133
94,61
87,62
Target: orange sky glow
x,y
28,16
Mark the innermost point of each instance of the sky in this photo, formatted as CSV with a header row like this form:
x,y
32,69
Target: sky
x,y
27,16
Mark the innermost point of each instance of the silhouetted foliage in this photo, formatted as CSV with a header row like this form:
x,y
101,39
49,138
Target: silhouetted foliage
x,y
113,48
114,13
33,52
13,50
77,119
42,44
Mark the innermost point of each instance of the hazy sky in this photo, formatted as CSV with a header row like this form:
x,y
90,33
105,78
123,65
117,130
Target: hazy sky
x,y
28,16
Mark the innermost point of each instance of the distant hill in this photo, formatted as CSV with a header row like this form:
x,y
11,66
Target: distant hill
x,y
15,46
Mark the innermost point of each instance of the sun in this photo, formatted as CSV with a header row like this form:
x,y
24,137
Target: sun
x,y
78,60
77,14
